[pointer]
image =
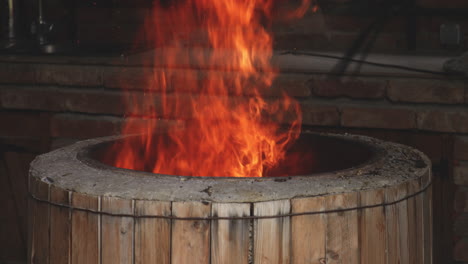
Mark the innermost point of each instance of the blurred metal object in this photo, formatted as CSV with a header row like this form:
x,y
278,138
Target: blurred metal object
x,y
47,35
9,16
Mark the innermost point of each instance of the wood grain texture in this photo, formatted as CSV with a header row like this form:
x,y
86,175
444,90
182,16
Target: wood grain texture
x,y
60,227
230,238
152,235
428,246
117,231
272,236
342,231
397,225
40,223
415,224
85,230
190,238
373,228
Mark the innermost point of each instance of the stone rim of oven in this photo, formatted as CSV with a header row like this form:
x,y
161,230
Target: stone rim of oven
x,y
393,164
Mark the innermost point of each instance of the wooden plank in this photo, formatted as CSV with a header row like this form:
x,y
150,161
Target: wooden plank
x,y
342,231
152,235
372,226
85,230
397,225
428,259
230,238
117,231
272,236
60,227
415,224
191,238
40,225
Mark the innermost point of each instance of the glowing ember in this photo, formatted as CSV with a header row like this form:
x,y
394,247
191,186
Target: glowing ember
x,y
226,131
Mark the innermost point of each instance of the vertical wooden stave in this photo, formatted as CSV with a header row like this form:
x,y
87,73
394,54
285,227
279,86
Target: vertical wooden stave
x,y
397,225
372,228
272,236
60,226
85,230
117,231
415,222
308,231
152,235
40,239
428,226
230,238
342,229
190,242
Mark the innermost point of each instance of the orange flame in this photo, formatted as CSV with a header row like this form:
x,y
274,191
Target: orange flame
x,y
231,129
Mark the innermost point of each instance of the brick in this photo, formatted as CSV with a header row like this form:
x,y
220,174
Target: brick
x,y
349,23
426,91
17,73
70,75
292,84
133,78
319,115
349,87
461,148
292,41
17,124
378,117
460,250
309,24
443,120
383,42
461,200
70,127
83,126
190,81
57,100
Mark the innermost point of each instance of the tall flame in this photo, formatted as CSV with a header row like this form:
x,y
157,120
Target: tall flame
x,y
231,128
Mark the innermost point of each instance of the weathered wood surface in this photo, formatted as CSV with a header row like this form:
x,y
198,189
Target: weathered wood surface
x,y
308,231
190,238
60,227
373,228
272,236
397,233
342,230
40,242
152,235
397,225
117,231
415,224
428,232
230,238
85,230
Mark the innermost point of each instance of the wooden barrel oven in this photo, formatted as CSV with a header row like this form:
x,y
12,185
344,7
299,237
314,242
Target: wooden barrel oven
x,y
374,207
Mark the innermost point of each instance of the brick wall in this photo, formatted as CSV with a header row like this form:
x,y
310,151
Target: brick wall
x,y
49,102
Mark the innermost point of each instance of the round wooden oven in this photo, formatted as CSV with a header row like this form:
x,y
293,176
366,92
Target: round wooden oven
x,y
353,200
